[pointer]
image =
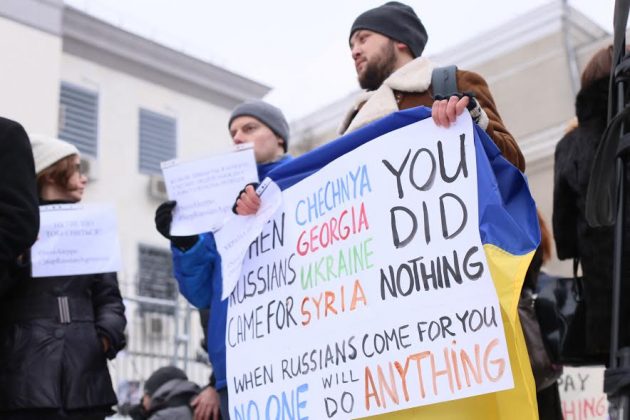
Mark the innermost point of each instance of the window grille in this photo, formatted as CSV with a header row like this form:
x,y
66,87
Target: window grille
x,y
157,141
78,118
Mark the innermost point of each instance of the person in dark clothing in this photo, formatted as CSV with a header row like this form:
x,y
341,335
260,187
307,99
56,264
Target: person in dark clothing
x,y
167,395
19,211
196,261
574,237
547,393
56,333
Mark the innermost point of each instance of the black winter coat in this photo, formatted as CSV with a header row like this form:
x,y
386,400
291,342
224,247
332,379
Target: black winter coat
x,y
48,362
574,238
19,212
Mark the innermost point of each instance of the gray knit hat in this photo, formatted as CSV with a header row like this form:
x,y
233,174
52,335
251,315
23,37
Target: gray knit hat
x,y
267,114
396,21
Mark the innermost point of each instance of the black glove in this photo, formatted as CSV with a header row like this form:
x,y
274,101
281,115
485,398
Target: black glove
x,y
163,220
253,184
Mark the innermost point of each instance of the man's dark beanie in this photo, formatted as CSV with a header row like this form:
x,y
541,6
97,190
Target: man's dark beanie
x,y
396,21
267,114
162,376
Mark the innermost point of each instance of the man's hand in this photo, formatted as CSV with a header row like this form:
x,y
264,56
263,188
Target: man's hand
x,y
446,111
247,202
207,404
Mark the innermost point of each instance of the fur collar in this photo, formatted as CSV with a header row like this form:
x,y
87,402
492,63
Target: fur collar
x,y
414,76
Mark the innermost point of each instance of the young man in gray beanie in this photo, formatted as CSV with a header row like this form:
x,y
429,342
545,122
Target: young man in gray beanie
x,y
196,262
386,43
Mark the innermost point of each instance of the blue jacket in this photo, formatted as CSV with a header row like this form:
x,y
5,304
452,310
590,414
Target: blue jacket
x,y
198,273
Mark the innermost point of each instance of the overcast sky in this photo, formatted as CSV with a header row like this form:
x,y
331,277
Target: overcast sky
x,y
300,48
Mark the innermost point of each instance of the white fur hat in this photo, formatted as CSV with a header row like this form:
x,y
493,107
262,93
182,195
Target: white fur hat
x,y
49,150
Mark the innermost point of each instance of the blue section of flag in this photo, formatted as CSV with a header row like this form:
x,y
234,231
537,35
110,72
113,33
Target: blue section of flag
x,y
507,212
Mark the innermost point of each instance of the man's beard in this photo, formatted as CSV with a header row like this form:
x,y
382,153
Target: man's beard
x,y
379,69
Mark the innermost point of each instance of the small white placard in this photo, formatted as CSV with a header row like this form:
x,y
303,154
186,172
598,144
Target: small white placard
x,y
205,189
76,239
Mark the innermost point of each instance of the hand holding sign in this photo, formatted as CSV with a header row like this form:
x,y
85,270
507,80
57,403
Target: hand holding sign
x,y
248,202
238,232
205,189
369,290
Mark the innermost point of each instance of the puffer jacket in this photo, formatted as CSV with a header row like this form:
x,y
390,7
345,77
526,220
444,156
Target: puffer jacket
x,y
51,353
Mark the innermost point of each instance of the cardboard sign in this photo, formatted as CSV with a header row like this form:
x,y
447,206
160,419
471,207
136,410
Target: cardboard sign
x,y
369,290
581,393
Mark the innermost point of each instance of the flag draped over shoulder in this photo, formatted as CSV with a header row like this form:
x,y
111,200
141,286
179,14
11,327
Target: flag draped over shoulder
x,y
510,234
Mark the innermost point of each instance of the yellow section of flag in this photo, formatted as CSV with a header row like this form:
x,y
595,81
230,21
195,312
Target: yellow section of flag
x,y
508,272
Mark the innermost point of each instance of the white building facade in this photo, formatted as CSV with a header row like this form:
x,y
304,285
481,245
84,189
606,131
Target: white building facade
x,y
128,103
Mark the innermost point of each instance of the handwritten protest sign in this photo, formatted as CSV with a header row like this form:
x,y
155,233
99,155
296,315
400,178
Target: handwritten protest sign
x,y
369,290
581,393
205,189
76,239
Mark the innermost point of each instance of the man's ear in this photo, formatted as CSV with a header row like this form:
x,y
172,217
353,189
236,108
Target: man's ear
x,y
400,46
403,50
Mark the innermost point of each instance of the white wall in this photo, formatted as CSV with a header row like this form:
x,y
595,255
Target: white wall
x,y
201,130
29,76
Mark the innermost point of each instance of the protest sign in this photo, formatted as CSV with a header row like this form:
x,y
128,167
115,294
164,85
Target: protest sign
x,y
369,291
581,393
205,189
76,239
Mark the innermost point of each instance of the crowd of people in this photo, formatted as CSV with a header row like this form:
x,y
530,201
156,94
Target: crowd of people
x,y
57,333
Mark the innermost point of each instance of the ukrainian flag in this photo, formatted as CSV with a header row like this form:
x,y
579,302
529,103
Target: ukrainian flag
x,y
509,230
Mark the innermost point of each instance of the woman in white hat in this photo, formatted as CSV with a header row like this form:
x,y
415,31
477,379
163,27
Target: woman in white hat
x,y
56,333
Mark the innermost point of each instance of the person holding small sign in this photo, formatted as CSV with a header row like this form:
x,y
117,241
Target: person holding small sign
x,y
58,332
195,258
19,214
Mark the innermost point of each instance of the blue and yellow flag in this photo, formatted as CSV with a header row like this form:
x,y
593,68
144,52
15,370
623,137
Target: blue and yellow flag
x,y
510,233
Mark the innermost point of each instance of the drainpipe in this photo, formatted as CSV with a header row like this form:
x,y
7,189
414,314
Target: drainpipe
x,y
574,72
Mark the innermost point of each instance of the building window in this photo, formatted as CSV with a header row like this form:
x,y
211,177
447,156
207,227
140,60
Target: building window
x,y
155,278
78,118
157,141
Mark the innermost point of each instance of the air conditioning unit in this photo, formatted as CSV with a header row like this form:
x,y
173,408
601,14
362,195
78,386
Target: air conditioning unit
x,y
89,167
157,187
154,326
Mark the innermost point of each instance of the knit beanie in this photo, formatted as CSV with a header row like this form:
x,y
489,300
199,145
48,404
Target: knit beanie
x,y
396,21
49,150
162,376
267,114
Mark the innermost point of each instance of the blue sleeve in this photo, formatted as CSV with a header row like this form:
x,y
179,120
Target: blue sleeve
x,y
195,268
